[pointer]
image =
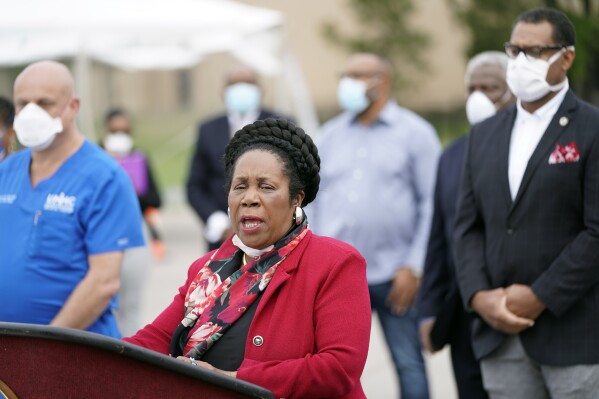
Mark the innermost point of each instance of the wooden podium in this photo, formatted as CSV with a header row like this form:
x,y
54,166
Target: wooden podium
x,y
48,362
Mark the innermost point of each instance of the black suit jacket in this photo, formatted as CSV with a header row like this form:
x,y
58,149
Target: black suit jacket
x,y
206,182
439,295
547,238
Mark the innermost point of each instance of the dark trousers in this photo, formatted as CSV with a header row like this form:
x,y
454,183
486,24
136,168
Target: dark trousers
x,y
466,368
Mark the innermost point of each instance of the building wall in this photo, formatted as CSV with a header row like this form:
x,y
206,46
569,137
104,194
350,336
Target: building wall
x,y
439,89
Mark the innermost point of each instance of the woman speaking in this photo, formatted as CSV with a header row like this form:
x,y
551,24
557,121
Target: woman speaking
x,y
275,305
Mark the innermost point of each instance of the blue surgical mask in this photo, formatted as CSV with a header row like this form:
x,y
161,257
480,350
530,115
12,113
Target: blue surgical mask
x,y
242,97
351,94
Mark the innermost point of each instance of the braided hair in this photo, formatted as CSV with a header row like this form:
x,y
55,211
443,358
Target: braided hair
x,y
297,151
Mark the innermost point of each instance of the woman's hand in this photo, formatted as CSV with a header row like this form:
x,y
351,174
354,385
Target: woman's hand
x,y
207,366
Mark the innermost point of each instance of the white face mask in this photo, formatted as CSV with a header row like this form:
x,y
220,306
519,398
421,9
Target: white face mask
x,y
479,107
118,144
36,128
527,79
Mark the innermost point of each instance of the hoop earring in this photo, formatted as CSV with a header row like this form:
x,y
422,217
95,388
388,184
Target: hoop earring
x,y
299,215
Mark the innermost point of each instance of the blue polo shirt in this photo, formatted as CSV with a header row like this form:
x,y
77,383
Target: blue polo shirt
x,y
87,207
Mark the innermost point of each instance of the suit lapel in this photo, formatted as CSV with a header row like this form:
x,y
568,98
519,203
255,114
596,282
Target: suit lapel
x,y
547,143
505,132
223,139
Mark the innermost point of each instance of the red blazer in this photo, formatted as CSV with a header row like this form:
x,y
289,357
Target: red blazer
x,y
314,321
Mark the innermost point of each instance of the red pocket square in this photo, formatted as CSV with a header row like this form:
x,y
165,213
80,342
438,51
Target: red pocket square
x,y
564,154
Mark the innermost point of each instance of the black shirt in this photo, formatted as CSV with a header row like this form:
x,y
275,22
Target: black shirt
x,y
228,352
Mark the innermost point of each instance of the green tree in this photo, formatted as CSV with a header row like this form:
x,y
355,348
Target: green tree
x,y
385,29
490,23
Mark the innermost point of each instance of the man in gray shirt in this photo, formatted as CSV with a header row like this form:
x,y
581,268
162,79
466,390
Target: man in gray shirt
x,y
378,169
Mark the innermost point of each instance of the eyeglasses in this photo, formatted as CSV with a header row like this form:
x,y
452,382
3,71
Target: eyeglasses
x,y
532,52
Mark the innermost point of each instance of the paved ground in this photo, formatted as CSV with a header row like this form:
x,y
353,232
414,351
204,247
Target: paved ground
x,y
181,230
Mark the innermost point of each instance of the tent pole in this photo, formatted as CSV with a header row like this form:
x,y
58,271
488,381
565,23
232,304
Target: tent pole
x,y
298,89
83,90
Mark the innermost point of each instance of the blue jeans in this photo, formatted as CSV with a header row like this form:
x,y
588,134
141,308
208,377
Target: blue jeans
x,y
401,334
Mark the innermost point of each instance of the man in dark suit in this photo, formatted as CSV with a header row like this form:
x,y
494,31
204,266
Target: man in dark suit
x,y
206,181
442,318
527,228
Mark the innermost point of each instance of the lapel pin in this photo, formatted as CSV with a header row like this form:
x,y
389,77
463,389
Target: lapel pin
x,y
563,121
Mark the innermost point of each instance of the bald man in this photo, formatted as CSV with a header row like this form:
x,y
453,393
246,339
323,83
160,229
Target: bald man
x,y
68,212
378,164
206,181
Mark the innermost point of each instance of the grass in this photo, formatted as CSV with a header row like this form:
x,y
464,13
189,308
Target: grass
x,y
168,139
449,126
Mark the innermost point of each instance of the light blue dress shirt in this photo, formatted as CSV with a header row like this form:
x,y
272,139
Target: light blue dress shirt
x,y
376,189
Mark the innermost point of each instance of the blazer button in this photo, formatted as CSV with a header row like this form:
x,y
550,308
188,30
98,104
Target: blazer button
x,y
258,341
510,232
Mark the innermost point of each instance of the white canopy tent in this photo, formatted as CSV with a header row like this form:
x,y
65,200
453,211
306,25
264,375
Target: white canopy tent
x,y
150,34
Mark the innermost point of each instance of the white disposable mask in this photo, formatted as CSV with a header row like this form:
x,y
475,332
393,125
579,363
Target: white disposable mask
x,y
479,107
118,144
527,79
36,128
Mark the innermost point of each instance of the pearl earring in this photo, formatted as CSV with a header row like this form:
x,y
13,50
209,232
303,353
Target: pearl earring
x,y
299,215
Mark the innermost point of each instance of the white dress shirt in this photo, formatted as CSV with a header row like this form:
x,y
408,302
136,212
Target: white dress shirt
x,y
526,134
238,120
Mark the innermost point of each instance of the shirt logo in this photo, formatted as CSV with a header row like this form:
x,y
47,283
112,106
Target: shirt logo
x,y
60,203
7,198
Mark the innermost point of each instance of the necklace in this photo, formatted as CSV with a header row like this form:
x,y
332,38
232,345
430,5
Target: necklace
x,y
245,259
